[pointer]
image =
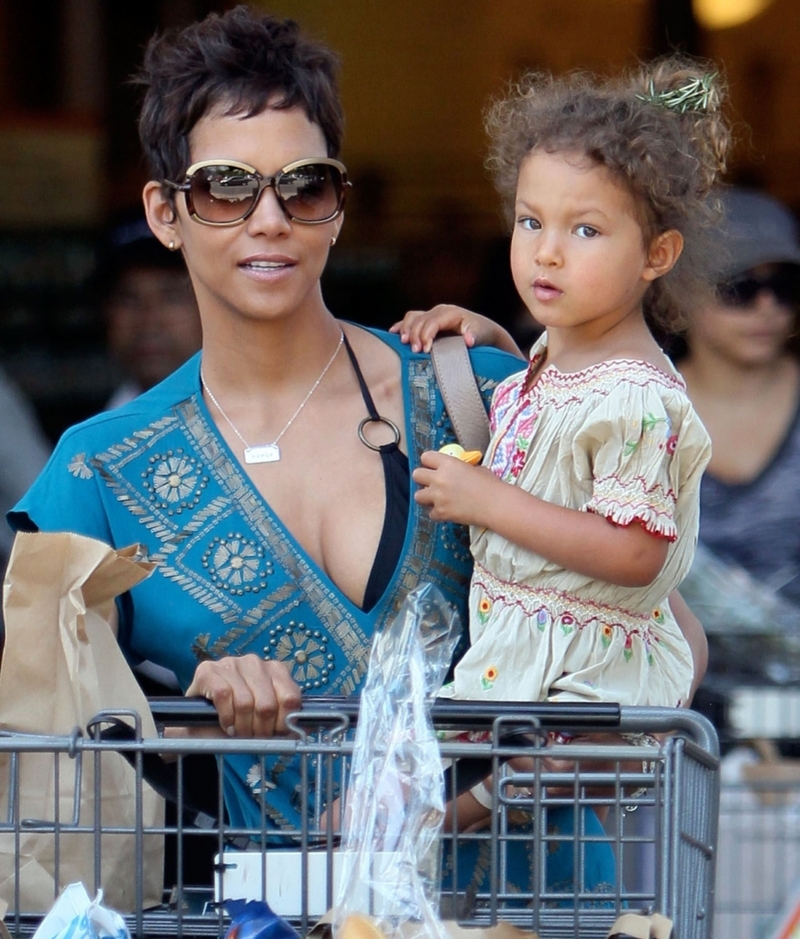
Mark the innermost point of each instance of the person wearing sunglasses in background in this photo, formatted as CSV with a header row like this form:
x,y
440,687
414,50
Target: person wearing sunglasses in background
x,y
743,377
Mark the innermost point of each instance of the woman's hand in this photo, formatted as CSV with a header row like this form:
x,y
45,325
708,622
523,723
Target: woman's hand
x,y
253,696
419,328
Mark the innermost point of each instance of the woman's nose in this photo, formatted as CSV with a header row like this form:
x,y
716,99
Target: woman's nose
x,y
767,301
268,216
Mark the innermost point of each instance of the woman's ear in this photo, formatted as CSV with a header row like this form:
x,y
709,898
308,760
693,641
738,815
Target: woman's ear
x,y
665,249
161,215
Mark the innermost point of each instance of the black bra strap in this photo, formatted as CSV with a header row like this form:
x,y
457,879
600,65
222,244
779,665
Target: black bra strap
x,y
370,404
374,417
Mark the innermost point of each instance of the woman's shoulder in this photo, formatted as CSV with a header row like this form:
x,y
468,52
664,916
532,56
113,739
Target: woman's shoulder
x,y
488,363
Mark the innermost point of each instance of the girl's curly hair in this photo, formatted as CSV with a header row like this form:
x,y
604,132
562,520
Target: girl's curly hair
x,y
658,129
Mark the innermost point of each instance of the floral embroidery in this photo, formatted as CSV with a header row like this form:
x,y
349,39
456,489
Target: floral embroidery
x,y
627,649
541,620
237,564
78,467
649,423
672,443
256,782
484,608
567,623
174,479
305,651
489,677
518,459
606,634
658,616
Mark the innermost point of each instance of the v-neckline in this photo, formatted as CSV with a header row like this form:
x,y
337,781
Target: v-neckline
x,y
412,519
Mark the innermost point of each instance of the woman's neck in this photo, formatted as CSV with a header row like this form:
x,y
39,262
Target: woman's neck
x,y
257,356
755,404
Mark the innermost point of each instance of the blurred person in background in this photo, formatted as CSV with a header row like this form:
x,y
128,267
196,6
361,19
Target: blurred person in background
x,y
24,450
743,376
150,312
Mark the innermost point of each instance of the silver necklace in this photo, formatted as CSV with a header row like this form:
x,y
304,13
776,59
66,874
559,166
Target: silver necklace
x,y
270,452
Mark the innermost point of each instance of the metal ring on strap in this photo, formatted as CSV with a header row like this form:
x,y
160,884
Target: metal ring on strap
x,y
378,420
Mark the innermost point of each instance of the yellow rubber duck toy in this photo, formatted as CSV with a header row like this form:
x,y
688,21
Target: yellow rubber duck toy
x,y
456,450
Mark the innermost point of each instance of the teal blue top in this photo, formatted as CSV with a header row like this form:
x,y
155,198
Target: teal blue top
x,y
230,579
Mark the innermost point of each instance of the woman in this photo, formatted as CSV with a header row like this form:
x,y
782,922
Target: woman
x,y
248,472
744,379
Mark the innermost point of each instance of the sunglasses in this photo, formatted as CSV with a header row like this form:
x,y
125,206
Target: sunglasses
x,y
783,283
224,192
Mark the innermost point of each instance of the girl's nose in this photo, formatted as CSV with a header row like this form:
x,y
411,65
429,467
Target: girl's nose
x,y
548,250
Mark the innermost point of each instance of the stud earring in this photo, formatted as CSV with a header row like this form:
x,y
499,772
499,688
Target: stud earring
x,y
172,246
333,241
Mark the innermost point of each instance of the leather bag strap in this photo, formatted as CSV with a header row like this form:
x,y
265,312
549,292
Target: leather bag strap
x,y
453,368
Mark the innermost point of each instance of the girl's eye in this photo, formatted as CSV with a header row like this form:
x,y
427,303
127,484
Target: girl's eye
x,y
586,231
528,223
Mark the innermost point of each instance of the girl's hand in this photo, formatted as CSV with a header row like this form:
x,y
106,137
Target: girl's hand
x,y
252,696
419,328
453,490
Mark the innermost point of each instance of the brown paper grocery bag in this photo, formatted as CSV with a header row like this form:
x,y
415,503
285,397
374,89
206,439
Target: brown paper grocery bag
x,y
61,665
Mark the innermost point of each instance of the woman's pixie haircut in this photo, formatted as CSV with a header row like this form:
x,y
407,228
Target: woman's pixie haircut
x,y
240,63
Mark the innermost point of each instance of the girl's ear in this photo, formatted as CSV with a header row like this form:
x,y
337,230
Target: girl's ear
x,y
161,215
665,249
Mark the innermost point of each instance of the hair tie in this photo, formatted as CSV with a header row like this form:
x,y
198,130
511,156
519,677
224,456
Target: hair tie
x,y
697,95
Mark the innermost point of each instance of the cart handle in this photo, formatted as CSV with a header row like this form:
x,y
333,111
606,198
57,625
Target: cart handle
x,y
177,710
586,716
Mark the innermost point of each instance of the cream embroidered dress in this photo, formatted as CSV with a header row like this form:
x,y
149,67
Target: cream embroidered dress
x,y
620,439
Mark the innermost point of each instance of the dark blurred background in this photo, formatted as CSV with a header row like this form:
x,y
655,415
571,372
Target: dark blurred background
x,y
423,224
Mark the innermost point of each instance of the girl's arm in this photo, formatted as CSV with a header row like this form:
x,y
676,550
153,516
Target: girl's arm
x,y
583,542
419,328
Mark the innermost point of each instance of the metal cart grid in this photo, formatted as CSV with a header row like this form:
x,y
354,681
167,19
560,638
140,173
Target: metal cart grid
x,y
675,784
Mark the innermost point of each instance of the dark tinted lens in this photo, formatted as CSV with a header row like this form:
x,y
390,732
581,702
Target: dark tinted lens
x,y
311,192
783,283
738,292
222,193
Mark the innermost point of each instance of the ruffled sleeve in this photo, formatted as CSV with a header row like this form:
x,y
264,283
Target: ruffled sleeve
x,y
640,448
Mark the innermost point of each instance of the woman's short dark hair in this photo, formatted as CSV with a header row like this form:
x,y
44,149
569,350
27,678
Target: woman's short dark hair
x,y
240,62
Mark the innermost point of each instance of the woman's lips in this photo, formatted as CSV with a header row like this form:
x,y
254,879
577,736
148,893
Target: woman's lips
x,y
268,268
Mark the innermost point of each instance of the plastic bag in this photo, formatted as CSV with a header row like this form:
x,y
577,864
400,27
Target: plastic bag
x,y
75,916
753,632
395,799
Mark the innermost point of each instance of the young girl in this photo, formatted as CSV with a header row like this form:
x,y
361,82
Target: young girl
x,y
584,514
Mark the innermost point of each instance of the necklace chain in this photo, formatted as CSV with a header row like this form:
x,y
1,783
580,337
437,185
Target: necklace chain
x,y
270,452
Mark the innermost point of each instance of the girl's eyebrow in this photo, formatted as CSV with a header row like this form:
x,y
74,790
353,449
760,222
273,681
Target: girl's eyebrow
x,y
573,212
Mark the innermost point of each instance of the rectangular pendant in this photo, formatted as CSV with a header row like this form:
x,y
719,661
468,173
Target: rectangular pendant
x,y
267,453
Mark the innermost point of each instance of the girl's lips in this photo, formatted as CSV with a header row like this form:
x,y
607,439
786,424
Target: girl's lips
x,y
544,290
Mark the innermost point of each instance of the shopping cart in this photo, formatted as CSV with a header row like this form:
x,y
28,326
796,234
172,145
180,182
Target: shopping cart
x,y
659,801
